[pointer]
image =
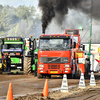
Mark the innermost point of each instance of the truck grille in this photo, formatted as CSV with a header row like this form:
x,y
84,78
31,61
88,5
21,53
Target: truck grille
x,y
53,66
54,59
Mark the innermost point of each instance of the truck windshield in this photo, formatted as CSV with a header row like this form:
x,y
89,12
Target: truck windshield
x,y
12,46
54,44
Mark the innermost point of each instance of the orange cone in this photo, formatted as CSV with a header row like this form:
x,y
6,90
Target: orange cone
x,y
10,93
45,89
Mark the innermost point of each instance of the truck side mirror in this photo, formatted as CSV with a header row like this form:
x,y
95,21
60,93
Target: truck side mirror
x,y
34,45
2,42
74,44
83,47
24,44
29,43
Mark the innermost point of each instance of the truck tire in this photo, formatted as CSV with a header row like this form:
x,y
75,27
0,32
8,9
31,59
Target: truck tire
x,y
0,71
75,75
48,76
39,75
35,72
27,65
79,73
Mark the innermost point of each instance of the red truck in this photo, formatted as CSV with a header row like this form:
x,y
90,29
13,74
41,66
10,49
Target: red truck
x,y
78,53
55,55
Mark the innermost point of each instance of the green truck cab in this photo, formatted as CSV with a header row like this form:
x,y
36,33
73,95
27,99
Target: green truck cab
x,y
14,47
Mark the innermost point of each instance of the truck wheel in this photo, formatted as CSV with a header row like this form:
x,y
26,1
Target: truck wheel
x,y
35,72
75,75
0,71
27,65
48,76
39,75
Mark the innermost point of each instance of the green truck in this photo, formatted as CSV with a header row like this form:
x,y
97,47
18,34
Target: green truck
x,y
23,53
14,46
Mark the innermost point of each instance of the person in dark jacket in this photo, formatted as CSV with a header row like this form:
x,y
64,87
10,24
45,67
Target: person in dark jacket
x,y
6,62
87,66
9,64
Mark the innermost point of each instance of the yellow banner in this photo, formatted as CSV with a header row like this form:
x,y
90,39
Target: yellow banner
x,y
79,55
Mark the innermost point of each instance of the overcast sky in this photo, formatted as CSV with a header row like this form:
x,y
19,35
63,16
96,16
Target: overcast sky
x,y
16,3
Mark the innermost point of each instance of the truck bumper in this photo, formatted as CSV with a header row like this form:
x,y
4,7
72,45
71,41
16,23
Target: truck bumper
x,y
68,71
16,66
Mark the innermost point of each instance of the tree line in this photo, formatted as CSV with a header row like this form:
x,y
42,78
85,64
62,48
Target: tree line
x,y
19,21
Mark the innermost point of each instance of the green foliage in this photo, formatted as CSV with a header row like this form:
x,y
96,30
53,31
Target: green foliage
x,y
20,21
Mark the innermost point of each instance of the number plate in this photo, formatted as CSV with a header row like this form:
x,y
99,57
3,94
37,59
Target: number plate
x,y
53,71
11,54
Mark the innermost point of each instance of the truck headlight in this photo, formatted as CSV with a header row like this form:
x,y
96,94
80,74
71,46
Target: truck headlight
x,y
20,60
66,65
41,65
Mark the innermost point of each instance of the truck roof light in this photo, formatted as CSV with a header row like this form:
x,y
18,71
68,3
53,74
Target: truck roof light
x,y
17,53
50,36
31,36
57,36
21,55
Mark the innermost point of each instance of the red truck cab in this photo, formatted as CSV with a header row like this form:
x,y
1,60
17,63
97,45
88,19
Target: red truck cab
x,y
54,55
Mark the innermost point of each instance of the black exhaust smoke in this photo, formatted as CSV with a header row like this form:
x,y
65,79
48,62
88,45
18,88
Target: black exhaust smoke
x,y
47,11
59,8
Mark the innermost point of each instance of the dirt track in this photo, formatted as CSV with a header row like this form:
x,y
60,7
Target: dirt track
x,y
28,84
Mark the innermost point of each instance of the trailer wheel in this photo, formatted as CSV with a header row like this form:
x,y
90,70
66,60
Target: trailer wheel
x,y
39,75
27,65
35,72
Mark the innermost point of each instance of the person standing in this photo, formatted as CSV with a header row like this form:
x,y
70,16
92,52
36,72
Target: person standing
x,y
9,64
87,66
6,62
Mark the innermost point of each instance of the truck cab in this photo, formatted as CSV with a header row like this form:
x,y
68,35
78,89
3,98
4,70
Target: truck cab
x,y
14,46
54,55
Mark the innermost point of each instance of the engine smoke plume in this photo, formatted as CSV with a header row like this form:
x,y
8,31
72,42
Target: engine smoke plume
x,y
59,8
47,11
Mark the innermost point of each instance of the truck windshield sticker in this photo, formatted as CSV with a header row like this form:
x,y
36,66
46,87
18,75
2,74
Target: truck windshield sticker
x,y
13,42
12,50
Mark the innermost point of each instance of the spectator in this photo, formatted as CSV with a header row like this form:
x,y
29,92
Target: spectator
x,y
9,64
6,62
87,66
